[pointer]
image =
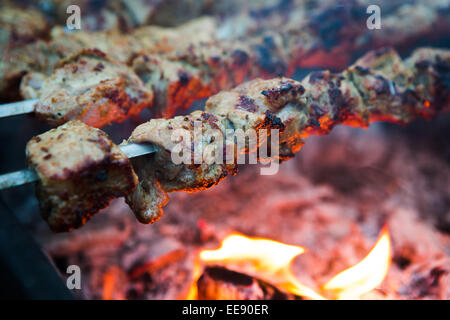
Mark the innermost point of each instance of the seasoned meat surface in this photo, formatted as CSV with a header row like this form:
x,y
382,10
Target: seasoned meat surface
x,y
80,170
90,87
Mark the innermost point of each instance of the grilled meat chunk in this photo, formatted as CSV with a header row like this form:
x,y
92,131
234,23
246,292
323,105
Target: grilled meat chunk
x,y
378,87
158,174
119,46
80,170
89,87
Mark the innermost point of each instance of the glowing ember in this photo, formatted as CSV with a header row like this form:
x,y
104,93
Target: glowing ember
x,y
364,276
271,261
112,280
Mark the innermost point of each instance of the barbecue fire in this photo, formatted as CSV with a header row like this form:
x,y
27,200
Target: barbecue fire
x,y
271,261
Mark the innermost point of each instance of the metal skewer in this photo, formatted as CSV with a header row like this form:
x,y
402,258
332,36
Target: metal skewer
x,y
17,178
16,108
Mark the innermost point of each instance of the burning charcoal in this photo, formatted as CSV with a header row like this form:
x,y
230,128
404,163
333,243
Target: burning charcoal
x,y
148,257
219,283
105,232
80,170
428,280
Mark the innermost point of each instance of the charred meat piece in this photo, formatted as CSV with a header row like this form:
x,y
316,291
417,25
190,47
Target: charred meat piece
x,y
89,87
119,46
379,87
80,170
44,56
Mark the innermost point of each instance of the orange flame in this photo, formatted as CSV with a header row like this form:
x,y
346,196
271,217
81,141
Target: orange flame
x,y
365,276
271,261
196,273
266,259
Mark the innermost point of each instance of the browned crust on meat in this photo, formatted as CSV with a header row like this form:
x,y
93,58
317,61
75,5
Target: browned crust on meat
x,y
92,88
80,171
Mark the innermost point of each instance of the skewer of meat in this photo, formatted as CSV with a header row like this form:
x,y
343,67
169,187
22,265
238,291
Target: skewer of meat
x,y
90,101
43,56
378,87
175,81
197,67
292,35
